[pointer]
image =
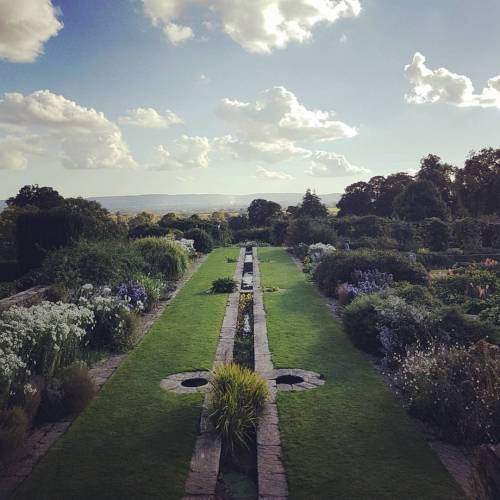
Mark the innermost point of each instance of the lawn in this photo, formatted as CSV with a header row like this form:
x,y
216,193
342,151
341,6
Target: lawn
x,y
135,441
348,439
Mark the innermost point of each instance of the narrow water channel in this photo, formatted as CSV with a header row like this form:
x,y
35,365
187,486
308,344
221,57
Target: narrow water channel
x,y
238,474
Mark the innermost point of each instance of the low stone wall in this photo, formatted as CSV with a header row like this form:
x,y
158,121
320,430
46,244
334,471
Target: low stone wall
x,y
27,298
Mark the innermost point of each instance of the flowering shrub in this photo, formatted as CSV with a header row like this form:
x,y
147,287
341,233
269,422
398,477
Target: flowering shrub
x,y
114,323
401,325
372,281
154,288
133,295
317,251
188,246
40,339
455,388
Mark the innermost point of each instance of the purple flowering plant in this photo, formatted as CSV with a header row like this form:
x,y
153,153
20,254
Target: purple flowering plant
x,y
133,295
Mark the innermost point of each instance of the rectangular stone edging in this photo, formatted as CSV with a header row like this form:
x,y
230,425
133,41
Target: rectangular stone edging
x,y
203,472
43,437
270,470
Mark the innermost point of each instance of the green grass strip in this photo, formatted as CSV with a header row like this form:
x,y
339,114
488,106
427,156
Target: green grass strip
x,y
348,439
135,441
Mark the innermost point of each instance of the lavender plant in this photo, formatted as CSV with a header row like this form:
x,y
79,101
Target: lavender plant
x,y
133,295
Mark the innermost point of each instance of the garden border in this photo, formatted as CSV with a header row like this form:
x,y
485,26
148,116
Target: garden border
x,y
41,439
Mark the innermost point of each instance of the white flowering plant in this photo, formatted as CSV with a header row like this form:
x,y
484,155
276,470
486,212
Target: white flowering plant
x,y
113,325
40,339
317,251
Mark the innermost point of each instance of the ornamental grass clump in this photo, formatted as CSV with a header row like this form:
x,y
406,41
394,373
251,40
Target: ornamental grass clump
x,y
237,398
223,285
163,256
455,388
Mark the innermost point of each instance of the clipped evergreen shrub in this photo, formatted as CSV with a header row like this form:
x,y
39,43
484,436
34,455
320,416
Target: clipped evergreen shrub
x,y
203,242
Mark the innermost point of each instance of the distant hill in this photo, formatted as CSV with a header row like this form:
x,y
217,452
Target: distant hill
x,y
162,203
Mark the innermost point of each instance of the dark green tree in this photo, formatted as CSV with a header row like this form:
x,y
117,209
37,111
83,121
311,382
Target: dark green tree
x,y
441,175
312,207
357,200
420,200
41,197
260,212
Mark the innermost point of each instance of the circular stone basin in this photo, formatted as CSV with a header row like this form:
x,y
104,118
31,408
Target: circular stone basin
x,y
194,382
289,379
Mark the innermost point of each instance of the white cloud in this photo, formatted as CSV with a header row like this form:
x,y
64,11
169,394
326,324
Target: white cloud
x,y
189,152
258,25
149,118
25,25
270,152
14,151
278,115
79,137
177,34
204,79
327,164
441,85
272,129
273,174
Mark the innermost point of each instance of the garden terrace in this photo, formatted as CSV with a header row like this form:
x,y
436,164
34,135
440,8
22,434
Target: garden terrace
x,y
135,440
348,438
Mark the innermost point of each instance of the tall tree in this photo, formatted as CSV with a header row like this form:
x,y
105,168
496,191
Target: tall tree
x,y
420,200
357,200
260,212
312,206
441,175
40,197
478,184
389,189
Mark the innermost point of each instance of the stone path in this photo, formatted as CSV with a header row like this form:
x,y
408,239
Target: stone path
x,y
43,437
271,472
201,482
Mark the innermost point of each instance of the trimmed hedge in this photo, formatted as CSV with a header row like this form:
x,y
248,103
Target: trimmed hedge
x,y
252,234
338,267
203,242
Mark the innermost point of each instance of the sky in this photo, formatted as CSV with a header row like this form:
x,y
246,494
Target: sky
x,y
119,97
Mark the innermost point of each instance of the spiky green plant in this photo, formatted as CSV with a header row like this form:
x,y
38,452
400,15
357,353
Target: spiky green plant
x,y
237,398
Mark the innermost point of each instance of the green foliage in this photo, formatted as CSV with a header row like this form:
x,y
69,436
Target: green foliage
x,y
437,234
77,388
203,242
404,233
14,425
260,212
416,295
252,234
97,262
277,233
456,389
468,234
309,231
452,326
237,398
38,233
357,227
154,287
360,319
223,285
491,315
311,206
337,268
43,198
162,256
420,200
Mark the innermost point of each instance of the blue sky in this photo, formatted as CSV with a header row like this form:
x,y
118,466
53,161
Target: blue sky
x,y
272,134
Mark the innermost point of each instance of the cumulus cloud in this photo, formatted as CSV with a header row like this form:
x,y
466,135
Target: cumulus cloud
x,y
80,137
25,25
189,152
273,174
441,85
259,26
327,164
149,118
277,115
14,151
